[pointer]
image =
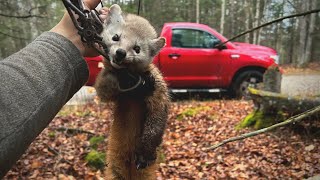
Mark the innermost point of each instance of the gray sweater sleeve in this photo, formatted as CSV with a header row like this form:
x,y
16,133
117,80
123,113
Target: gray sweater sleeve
x,y
34,85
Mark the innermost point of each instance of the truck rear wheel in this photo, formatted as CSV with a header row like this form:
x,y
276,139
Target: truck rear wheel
x,y
246,79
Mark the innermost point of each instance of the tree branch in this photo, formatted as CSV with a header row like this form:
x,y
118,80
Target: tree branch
x,y
74,131
293,119
268,23
21,17
292,5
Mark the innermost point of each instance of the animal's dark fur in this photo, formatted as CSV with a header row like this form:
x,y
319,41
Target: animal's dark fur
x,y
139,115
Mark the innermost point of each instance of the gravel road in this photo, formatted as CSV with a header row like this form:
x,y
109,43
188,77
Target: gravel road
x,y
301,84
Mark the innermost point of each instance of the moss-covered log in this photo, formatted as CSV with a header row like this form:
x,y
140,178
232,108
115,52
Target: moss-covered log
x,y
271,108
269,102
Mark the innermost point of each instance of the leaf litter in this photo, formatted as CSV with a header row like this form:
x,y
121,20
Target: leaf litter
x,y
192,127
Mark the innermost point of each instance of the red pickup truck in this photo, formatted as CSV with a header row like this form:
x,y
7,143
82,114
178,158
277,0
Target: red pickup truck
x,y
191,61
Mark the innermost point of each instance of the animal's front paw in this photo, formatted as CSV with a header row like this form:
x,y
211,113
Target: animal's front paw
x,y
144,160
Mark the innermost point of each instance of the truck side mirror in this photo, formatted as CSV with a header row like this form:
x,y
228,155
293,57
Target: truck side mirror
x,y
221,47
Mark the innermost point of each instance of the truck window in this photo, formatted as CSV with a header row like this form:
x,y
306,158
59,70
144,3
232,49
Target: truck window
x,y
192,38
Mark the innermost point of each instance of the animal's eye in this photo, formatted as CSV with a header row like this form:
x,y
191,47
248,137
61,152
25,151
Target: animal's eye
x,y
136,49
116,37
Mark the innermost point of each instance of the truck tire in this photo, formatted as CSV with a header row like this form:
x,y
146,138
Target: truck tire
x,y
250,78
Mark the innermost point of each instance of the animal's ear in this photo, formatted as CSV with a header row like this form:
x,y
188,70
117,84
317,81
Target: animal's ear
x,y
156,45
115,9
114,15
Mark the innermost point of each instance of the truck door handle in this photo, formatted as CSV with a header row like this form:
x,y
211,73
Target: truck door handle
x,y
174,56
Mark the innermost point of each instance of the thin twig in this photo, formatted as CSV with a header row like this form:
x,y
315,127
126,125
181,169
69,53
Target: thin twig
x,y
268,23
55,152
293,119
74,131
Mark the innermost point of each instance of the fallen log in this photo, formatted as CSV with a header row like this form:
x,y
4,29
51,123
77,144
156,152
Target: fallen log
x,y
272,108
291,120
270,102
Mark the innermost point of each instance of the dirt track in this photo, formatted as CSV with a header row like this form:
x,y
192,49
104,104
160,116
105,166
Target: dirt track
x,y
301,84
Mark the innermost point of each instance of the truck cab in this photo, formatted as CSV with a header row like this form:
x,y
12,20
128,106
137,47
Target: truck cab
x,y
193,61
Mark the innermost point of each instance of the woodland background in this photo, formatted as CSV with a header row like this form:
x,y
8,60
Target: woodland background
x,y
297,40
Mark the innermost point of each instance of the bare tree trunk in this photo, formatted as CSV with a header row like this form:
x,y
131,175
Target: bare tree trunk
x,y
197,12
256,22
232,17
312,22
303,35
292,43
223,12
248,20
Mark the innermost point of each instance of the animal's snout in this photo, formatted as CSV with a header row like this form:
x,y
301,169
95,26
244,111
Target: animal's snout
x,y
120,54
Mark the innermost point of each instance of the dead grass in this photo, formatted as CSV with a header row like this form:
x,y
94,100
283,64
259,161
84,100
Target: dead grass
x,y
312,68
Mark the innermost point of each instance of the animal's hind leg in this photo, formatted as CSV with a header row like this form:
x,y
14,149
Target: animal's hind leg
x,y
156,117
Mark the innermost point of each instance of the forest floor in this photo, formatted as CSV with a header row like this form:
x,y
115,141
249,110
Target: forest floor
x,y
292,152
287,153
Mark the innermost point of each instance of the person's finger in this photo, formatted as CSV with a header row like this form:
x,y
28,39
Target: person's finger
x,y
103,13
91,4
104,10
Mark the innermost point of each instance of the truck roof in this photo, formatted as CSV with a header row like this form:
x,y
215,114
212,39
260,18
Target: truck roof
x,y
187,24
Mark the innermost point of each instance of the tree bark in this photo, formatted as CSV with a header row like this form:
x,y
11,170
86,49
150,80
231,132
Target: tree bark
x,y
232,17
248,20
223,12
303,35
197,11
256,22
310,33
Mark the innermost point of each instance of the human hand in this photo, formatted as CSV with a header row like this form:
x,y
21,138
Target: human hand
x,y
67,29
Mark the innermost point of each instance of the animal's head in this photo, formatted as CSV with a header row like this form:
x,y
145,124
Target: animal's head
x,y
131,40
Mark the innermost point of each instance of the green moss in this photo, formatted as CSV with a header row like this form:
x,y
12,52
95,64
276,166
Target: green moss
x,y
83,113
249,120
264,121
191,112
75,110
95,140
253,90
161,155
52,134
96,159
259,120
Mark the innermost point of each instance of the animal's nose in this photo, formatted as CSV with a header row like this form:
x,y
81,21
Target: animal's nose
x,y
120,54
